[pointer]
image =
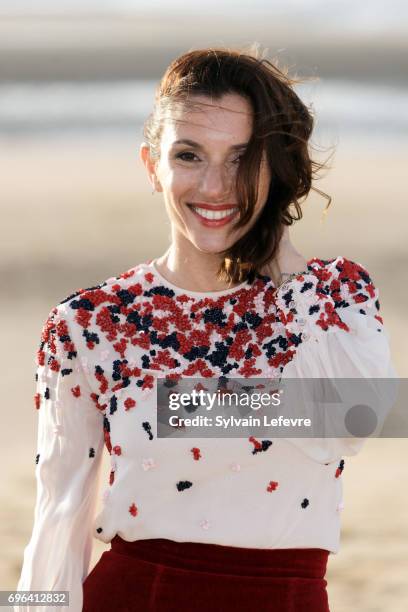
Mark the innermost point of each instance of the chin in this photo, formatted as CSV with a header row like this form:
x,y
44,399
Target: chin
x,y
212,246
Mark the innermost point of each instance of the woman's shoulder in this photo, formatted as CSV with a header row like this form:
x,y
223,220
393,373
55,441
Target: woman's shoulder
x,y
76,321
340,267
340,272
324,292
340,278
110,295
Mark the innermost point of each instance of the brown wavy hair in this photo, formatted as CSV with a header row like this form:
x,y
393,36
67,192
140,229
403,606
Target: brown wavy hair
x,y
282,126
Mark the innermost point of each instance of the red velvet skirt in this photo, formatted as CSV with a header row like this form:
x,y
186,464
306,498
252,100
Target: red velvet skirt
x,y
161,575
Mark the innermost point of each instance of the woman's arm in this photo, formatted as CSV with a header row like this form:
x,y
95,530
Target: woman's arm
x,y
70,444
332,315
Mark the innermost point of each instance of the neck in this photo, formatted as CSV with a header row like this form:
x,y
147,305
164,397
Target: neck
x,y
191,269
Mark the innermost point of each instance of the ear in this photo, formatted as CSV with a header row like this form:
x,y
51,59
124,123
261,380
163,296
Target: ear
x,y
150,165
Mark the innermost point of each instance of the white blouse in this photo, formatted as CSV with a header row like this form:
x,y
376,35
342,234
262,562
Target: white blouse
x,y
100,352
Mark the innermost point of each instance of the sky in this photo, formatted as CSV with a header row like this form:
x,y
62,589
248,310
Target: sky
x,y
136,5
370,16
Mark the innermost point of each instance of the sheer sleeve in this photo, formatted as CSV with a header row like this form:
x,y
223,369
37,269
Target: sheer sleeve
x,y
69,450
332,314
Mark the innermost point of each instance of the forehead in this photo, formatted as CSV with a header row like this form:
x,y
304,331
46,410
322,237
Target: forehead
x,y
227,120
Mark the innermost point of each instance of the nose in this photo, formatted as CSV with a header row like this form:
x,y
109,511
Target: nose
x,y
215,182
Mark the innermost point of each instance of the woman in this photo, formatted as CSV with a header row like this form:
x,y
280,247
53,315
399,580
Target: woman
x,y
209,524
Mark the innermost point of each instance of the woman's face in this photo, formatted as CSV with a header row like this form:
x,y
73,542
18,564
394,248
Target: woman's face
x,y
199,154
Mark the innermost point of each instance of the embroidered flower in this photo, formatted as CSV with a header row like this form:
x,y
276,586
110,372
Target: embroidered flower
x,y
129,403
148,428
133,509
184,484
148,464
260,446
205,524
339,469
76,391
196,453
37,400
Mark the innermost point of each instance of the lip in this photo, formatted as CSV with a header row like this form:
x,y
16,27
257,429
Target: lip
x,y
214,222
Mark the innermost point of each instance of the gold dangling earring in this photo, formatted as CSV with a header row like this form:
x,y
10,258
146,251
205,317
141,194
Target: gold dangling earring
x,y
154,189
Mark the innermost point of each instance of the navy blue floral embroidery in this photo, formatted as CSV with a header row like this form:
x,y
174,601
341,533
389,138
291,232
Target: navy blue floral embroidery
x,y
184,484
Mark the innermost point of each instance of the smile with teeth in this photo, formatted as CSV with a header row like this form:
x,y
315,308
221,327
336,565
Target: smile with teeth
x,y
214,215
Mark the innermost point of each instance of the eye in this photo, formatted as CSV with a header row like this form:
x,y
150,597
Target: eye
x,y
238,159
183,158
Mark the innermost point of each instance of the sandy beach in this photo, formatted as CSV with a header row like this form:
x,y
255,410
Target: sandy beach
x,y
77,212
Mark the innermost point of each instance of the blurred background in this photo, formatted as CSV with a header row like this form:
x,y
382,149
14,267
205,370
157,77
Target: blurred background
x,y
77,80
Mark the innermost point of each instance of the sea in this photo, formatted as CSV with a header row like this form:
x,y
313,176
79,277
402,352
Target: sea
x,y
368,114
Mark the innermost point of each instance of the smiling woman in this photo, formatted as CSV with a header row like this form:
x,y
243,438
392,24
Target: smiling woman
x,y
229,149
200,153
206,524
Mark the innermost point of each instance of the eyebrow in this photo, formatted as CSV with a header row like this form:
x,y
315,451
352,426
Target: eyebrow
x,y
197,145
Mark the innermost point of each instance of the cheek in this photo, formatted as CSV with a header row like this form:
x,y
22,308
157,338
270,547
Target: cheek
x,y
176,181
181,186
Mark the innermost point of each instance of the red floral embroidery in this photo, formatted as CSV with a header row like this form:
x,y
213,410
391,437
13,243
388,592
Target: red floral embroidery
x,y
196,453
95,398
331,318
133,509
129,403
255,442
76,391
120,347
108,444
83,317
54,365
339,469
